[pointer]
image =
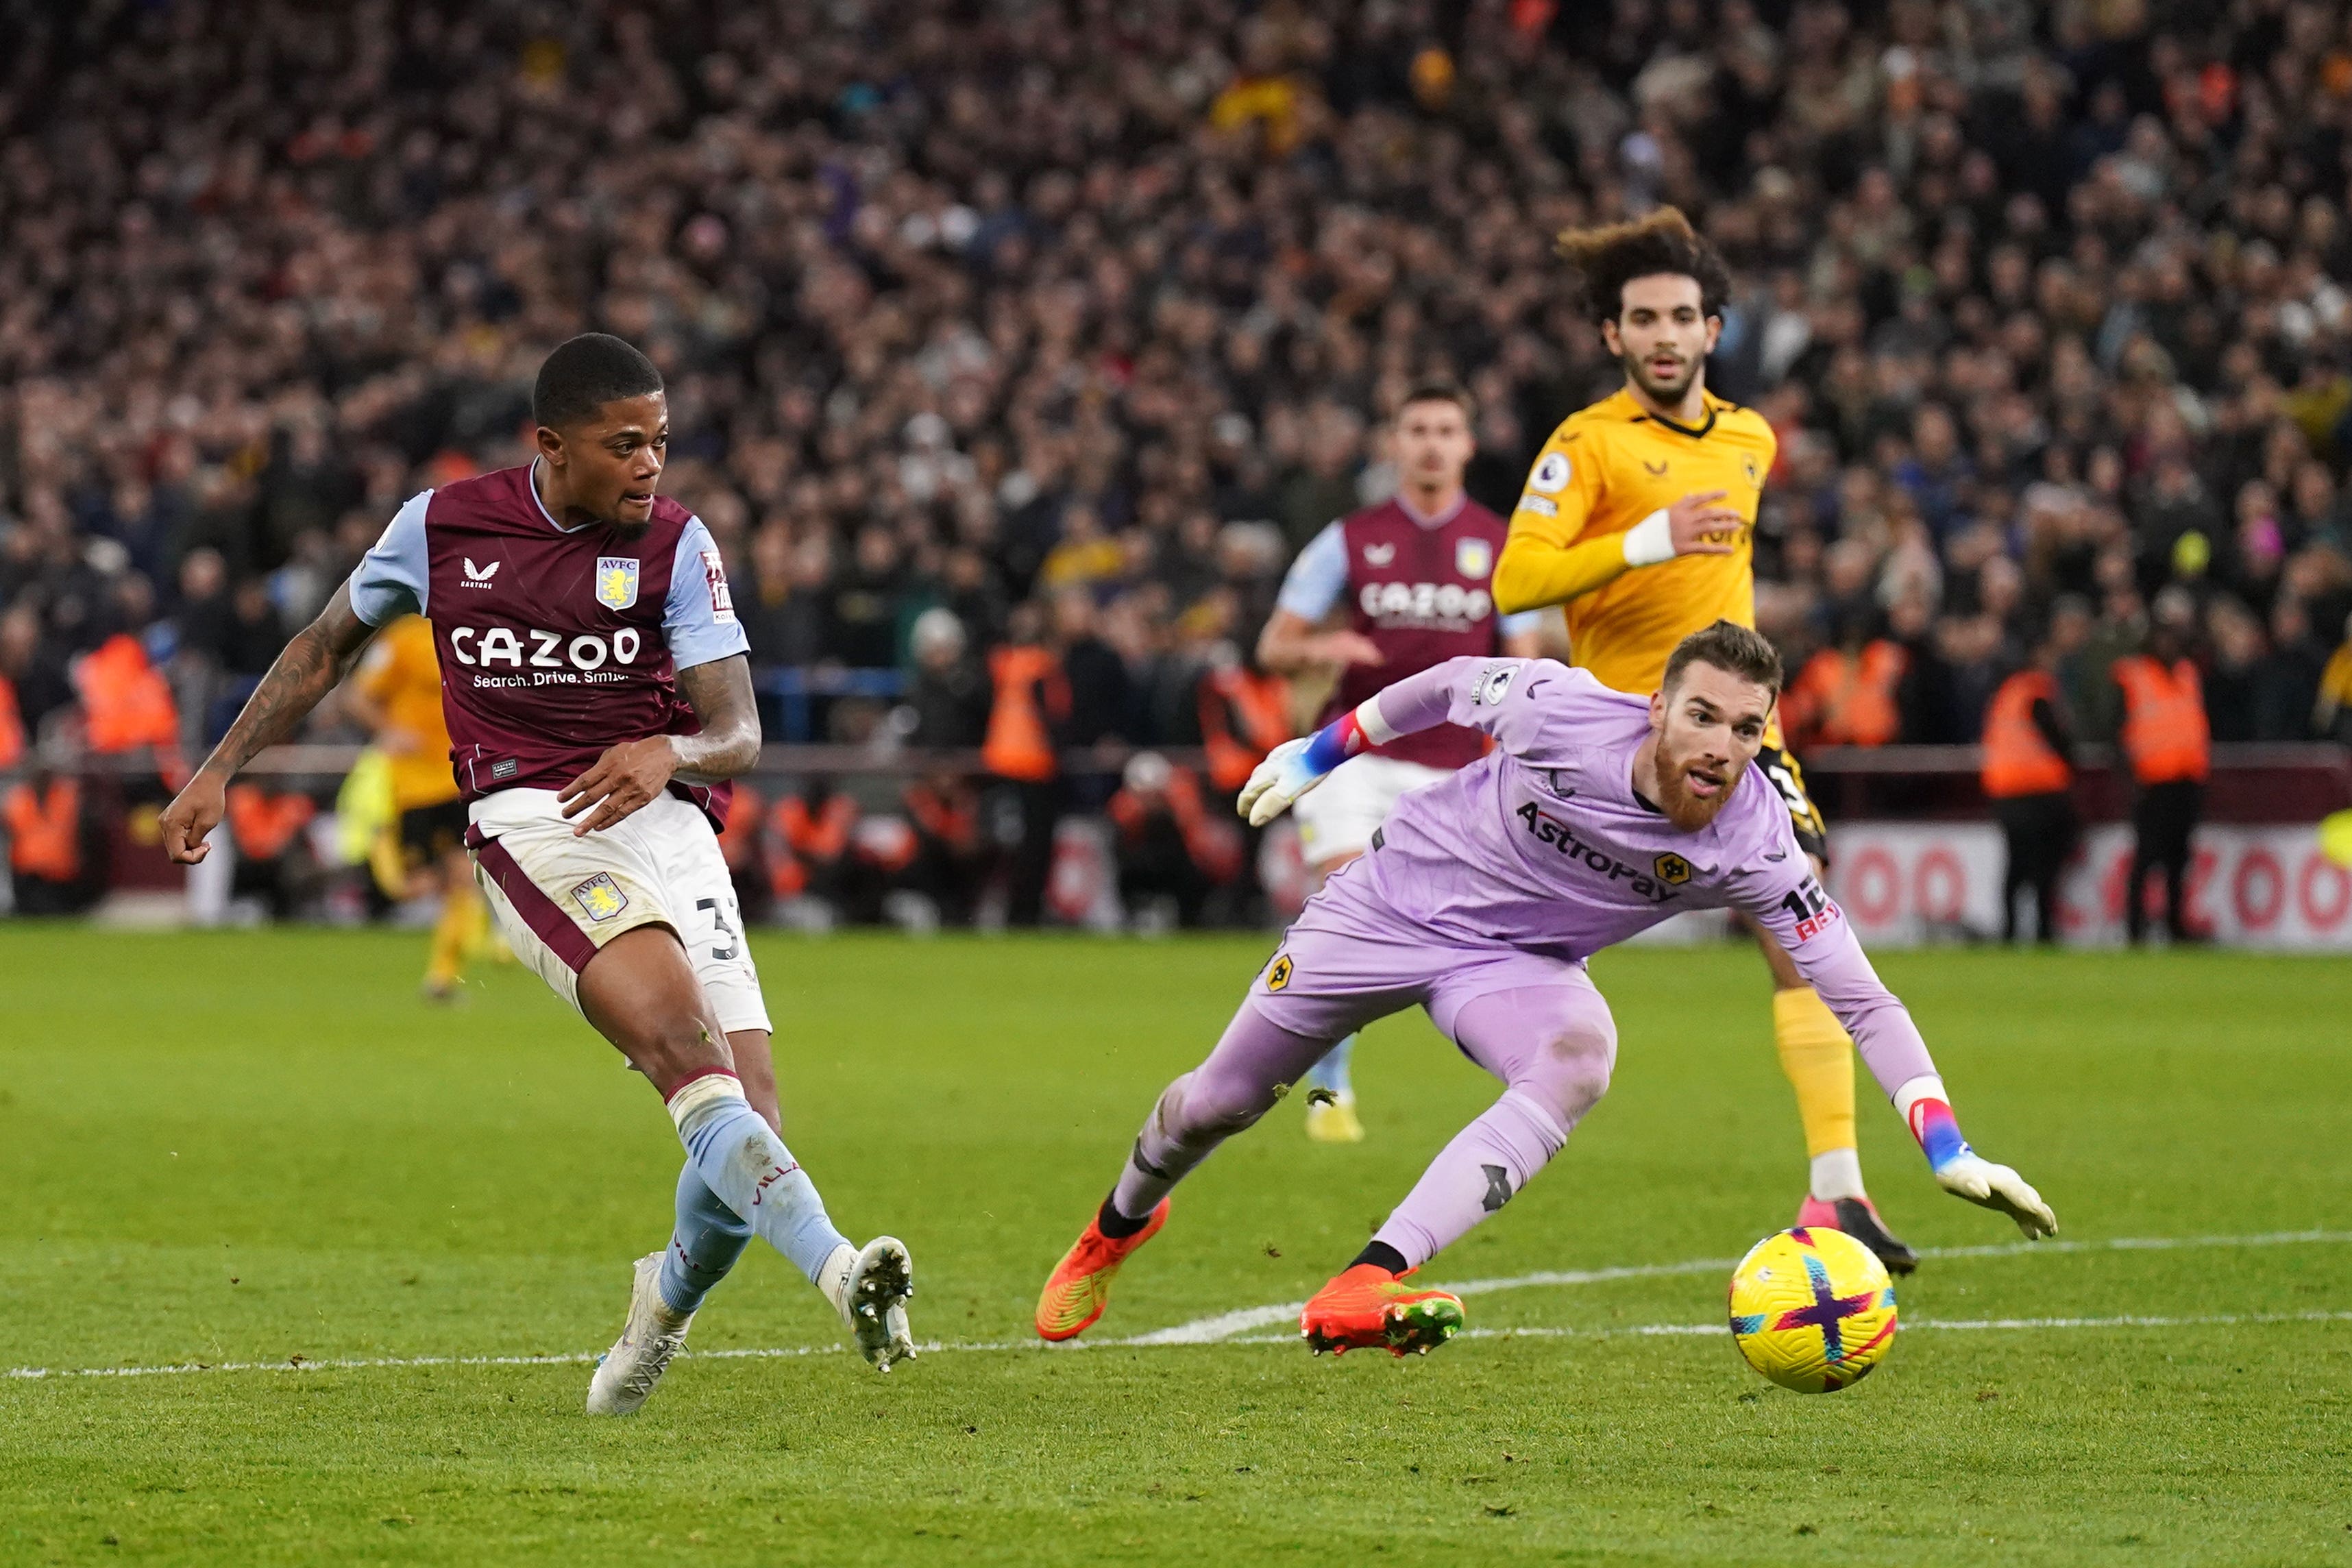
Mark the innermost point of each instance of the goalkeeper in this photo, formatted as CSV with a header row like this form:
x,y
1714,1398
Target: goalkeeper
x,y
1598,815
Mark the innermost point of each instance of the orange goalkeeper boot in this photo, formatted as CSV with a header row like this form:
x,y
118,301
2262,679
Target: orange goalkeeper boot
x,y
1079,1288
1367,1306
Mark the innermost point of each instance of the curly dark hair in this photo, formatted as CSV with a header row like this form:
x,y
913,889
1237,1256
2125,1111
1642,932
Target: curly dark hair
x,y
1607,258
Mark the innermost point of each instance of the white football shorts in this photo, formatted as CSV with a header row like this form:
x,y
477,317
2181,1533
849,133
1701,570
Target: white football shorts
x,y
558,899
1339,817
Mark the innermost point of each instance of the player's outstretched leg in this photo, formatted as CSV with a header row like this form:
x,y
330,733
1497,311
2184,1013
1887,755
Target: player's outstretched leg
x,y
740,1157
1331,1098
641,993
1253,1063
1553,1047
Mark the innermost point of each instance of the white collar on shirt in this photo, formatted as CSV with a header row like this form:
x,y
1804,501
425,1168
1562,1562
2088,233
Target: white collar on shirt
x,y
531,480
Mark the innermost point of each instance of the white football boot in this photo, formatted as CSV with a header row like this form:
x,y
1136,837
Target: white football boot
x,y
626,1374
868,1286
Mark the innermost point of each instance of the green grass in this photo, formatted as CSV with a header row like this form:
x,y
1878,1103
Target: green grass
x,y
249,1148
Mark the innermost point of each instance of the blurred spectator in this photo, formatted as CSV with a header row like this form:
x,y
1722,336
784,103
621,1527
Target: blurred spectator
x,y
1027,717
1847,695
1085,556
2167,743
810,852
788,614
2028,773
127,707
2233,677
54,862
1102,697
2332,713
274,860
1171,845
947,699
867,603
951,855
35,671
1244,713
2287,682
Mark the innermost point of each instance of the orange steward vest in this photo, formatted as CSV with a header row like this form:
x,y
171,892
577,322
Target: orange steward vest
x,y
263,824
2165,732
1842,701
1242,717
125,699
1019,744
45,831
2018,759
12,725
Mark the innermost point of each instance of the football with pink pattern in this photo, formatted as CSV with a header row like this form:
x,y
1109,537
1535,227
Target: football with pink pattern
x,y
1813,1310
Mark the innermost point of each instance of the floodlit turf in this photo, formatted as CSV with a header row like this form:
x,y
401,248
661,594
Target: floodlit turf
x,y
247,1148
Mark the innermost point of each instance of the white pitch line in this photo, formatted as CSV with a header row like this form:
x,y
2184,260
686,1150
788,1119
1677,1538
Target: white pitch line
x,y
1907,1325
1224,1327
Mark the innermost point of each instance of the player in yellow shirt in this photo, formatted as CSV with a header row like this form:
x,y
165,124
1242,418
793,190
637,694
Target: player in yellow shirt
x,y
1638,519
397,693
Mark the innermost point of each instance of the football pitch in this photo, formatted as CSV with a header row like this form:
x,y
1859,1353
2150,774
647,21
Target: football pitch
x,y
311,1273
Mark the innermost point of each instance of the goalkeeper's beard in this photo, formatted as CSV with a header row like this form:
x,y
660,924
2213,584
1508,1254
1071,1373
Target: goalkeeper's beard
x,y
1687,811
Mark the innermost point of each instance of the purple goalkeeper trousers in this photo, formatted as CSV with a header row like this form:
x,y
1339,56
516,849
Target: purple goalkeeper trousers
x,y
1535,1022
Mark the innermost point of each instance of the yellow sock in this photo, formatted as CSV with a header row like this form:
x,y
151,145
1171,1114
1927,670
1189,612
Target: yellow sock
x,y
446,959
1818,1056
477,922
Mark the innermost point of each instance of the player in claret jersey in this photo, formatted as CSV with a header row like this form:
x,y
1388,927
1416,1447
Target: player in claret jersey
x,y
598,699
1598,815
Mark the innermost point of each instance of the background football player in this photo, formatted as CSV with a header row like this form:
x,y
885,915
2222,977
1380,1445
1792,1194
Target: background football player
x,y
1638,519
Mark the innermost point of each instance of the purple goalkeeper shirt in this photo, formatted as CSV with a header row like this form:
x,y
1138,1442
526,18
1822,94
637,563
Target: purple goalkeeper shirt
x,y
1543,845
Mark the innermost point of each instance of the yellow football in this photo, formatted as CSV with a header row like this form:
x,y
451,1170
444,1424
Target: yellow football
x,y
1813,1310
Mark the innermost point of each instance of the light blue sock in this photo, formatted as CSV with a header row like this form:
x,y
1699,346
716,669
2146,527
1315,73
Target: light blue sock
x,y
704,1246
741,1159
1330,1074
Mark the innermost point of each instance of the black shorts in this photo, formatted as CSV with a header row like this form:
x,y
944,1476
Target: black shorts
x,y
429,831
1780,766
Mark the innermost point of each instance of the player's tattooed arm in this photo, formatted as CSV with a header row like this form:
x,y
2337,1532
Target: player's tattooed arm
x,y
318,658
634,772
720,694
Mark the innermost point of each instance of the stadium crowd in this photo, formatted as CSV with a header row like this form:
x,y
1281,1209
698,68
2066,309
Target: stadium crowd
x,y
1058,326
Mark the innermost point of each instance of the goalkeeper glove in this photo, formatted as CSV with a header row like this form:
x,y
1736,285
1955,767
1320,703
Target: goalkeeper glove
x,y
1276,782
1294,767
1979,1179
1961,1170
